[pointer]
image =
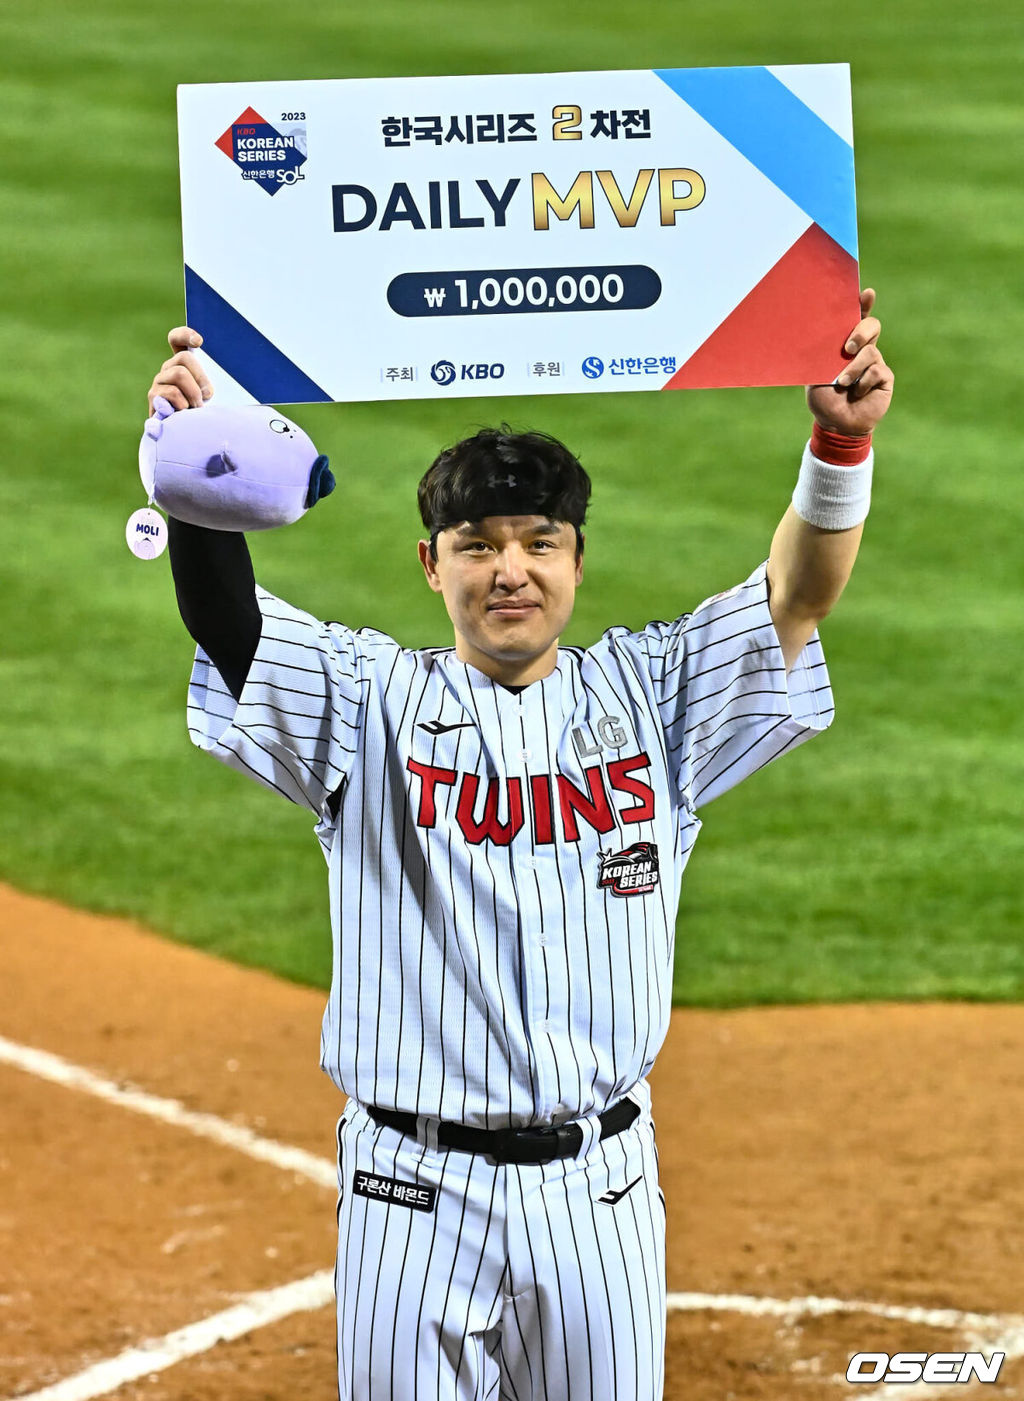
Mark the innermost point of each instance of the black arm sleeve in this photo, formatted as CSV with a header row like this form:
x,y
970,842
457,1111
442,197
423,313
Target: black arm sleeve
x,y
216,591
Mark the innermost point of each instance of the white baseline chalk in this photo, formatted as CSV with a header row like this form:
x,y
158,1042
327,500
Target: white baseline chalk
x,y
58,1071
812,1307
252,1311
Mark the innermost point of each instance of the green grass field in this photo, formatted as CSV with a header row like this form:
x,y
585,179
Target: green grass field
x,y
882,860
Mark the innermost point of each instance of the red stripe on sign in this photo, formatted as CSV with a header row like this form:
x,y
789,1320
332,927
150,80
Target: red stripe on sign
x,y
789,329
249,117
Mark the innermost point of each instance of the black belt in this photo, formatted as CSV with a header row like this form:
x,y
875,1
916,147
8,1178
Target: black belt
x,y
514,1145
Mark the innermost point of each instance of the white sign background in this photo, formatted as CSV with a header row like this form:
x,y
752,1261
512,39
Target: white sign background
x,y
319,296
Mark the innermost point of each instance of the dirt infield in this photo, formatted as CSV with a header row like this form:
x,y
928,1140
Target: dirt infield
x,y
856,1153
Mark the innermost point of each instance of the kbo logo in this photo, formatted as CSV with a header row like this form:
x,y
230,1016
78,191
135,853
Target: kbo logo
x,y
443,372
483,371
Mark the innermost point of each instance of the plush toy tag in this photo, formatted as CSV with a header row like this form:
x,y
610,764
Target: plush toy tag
x,y
146,533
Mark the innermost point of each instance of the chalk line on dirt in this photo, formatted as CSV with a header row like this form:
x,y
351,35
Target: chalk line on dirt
x,y
59,1071
252,1311
811,1307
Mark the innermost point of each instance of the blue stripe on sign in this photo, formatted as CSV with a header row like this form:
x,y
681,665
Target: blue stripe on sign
x,y
781,136
255,362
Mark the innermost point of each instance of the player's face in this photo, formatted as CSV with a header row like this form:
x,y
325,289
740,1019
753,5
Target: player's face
x,y
509,584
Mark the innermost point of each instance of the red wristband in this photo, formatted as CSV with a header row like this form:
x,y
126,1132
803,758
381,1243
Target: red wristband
x,y
837,449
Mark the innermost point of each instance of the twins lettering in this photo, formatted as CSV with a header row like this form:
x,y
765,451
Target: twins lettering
x,y
551,800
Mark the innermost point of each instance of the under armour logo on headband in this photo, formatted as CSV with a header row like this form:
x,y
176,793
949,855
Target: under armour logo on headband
x,y
494,481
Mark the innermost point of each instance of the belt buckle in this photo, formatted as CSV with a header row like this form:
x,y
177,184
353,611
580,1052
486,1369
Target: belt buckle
x,y
536,1146
568,1140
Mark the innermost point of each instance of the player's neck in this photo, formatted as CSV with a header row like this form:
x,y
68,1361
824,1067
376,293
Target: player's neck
x,y
506,671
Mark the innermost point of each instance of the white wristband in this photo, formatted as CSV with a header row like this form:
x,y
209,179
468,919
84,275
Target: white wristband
x,y
834,498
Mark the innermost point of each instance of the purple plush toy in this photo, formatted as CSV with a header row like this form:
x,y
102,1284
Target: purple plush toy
x,y
231,469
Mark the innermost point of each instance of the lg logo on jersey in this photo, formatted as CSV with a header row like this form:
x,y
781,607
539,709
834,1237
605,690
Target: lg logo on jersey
x,y
607,731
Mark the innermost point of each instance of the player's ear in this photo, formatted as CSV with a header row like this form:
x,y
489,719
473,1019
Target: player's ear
x,y
581,541
429,564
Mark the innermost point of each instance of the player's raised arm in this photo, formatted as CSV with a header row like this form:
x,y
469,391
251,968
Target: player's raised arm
x,y
212,569
815,546
216,592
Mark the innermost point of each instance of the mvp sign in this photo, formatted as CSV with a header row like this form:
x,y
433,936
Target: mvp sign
x,y
590,233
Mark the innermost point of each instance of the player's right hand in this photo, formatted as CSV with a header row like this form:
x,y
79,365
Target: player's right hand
x,y
181,380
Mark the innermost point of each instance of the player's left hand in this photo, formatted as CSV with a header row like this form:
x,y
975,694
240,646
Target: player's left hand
x,y
181,380
861,395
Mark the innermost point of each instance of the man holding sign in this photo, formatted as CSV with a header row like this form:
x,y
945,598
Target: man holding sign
x,y
506,823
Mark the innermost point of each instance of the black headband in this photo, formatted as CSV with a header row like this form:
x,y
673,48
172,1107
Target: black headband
x,y
504,491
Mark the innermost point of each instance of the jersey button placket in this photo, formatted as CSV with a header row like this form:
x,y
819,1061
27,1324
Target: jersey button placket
x,y
540,943
539,1021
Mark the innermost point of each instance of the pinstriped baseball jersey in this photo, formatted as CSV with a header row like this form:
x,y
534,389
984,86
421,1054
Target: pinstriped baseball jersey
x,y
504,867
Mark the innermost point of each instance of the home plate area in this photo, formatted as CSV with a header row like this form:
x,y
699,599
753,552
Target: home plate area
x,y
840,1180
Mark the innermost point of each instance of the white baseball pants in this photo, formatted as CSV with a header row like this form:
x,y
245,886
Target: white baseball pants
x,y
459,1279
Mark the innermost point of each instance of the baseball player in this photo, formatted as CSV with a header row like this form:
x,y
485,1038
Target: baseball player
x,y
506,822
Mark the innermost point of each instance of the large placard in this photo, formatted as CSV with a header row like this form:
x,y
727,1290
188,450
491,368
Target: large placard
x,y
534,234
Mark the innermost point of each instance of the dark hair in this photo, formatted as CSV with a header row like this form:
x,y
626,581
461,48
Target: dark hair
x,y
501,473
